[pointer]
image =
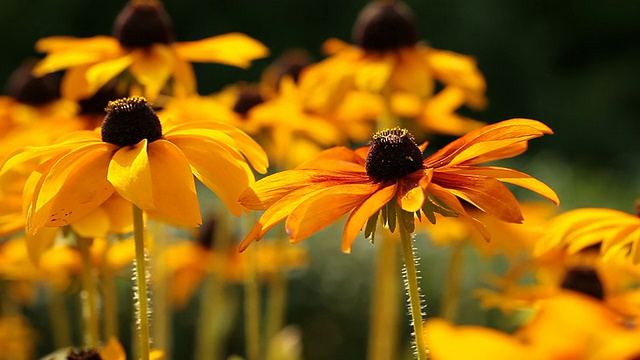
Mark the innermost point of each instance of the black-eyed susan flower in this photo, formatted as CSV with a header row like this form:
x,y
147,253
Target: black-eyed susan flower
x,y
388,59
612,230
391,175
143,43
147,165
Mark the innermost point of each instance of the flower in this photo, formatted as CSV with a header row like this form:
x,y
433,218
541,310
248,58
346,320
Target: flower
x,y
143,43
366,180
388,60
112,350
147,165
614,231
566,326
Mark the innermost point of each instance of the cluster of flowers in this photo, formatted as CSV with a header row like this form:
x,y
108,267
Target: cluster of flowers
x,y
105,141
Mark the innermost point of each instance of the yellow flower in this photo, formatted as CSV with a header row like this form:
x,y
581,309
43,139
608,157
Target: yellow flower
x,y
149,166
143,44
614,231
392,171
566,326
506,238
16,338
389,60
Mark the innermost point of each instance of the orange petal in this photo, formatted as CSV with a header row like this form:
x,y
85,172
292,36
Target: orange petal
x,y
99,74
174,191
232,49
487,194
267,191
363,212
325,207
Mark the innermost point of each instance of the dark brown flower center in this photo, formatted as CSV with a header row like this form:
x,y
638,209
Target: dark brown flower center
x,y
142,25
130,120
393,155
385,26
31,90
584,280
247,99
90,354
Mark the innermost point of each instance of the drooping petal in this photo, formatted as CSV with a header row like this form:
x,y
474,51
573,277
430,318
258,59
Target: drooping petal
x,y
265,192
487,194
74,186
130,173
95,224
439,114
184,79
39,242
277,212
75,85
232,49
226,134
363,212
454,203
223,171
375,74
174,190
512,177
411,195
325,207
411,74
153,68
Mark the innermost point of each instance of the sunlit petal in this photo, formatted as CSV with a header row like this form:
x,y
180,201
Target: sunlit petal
x,y
130,174
232,49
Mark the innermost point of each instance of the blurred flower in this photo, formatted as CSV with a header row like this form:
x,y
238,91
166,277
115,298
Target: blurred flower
x,y
613,231
565,326
389,60
112,350
17,338
148,167
144,44
366,181
509,239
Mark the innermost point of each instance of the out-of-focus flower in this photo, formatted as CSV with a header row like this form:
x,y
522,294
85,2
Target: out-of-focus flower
x,y
565,326
147,166
112,350
389,60
612,230
144,44
392,171
17,338
506,238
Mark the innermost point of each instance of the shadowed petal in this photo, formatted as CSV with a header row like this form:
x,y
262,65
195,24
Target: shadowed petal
x,y
487,194
152,68
174,191
99,74
363,212
74,186
222,170
130,174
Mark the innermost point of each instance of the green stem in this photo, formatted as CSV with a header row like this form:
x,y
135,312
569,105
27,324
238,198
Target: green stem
x,y
450,299
142,313
252,307
386,299
415,302
277,301
88,295
110,303
59,315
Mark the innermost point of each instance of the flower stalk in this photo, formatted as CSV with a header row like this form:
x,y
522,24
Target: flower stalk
x,y
88,295
252,308
413,289
140,291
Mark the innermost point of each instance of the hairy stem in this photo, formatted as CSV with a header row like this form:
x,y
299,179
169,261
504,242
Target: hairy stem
x,y
140,291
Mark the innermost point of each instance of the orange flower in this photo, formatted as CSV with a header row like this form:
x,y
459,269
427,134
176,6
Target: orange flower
x,y
366,180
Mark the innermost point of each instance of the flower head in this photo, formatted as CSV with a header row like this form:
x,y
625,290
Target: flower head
x,y
143,44
146,164
390,175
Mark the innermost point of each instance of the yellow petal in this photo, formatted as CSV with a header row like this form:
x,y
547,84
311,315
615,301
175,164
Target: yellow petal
x,y
39,242
267,191
231,49
363,212
410,196
374,75
174,191
130,174
325,207
74,186
120,214
95,224
74,84
184,79
411,74
152,68
99,74
222,171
